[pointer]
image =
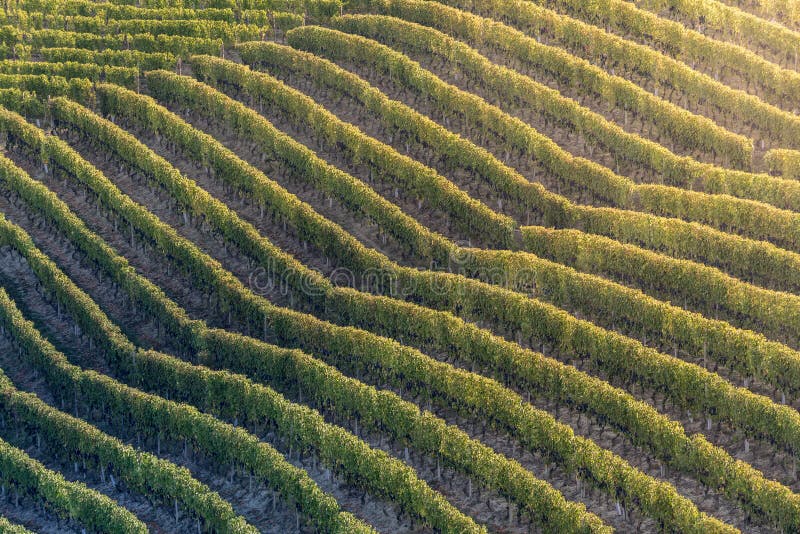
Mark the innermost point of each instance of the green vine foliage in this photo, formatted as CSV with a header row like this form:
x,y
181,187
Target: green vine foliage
x,y
68,499
688,130
784,161
349,398
373,469
749,218
139,471
116,58
529,196
595,44
740,257
245,305
177,45
733,25
554,283
786,12
781,87
8,527
154,416
654,233
393,324
116,11
203,29
694,131
474,218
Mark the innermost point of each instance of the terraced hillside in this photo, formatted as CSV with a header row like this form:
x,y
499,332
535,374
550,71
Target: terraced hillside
x,y
400,266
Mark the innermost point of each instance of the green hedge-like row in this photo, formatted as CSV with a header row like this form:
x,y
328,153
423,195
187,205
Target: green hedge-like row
x,y
287,21
750,218
372,469
45,86
383,410
67,499
66,69
22,102
593,296
599,46
734,338
659,500
783,161
686,129
353,193
787,12
457,151
125,76
35,10
686,240
405,320
361,48
734,405
757,262
100,25
314,8
473,217
117,58
740,298
731,24
781,86
145,42
423,431
508,85
151,414
7,527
